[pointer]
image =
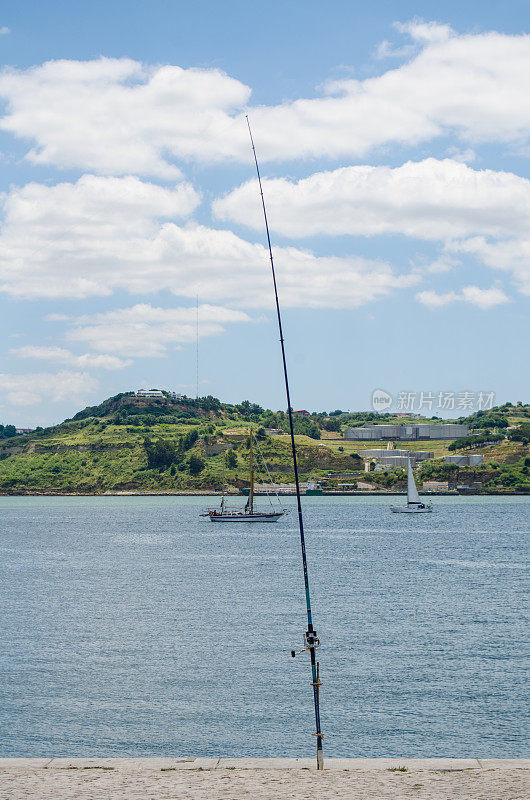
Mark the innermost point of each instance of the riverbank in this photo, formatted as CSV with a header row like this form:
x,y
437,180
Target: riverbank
x,y
266,778
204,493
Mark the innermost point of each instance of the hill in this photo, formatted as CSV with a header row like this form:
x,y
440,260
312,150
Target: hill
x,y
130,443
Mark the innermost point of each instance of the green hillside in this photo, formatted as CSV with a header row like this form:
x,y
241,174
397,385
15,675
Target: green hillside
x,y
157,445
168,444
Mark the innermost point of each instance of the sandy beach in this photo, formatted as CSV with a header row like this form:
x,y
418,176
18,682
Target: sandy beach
x,y
270,779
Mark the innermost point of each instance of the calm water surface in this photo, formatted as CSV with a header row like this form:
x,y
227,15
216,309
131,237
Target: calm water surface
x,y
131,626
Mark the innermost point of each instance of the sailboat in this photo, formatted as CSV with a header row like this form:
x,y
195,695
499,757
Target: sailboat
x,y
414,504
248,513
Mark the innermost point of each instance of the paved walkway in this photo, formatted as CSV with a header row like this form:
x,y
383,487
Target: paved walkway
x,y
264,778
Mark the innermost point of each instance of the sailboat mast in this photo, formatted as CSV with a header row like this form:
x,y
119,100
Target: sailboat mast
x,y
311,638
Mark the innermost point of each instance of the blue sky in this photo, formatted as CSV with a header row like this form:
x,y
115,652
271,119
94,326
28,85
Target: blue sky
x,y
394,146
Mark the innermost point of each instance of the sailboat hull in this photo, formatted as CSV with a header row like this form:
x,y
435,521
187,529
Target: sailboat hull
x,y
219,517
414,503
411,510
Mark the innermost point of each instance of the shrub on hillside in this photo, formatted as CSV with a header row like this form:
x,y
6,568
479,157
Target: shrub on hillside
x,y
521,434
7,431
231,459
196,464
468,442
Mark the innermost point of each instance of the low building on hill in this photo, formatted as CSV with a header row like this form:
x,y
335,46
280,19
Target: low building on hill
x,y
24,430
436,486
149,393
407,433
465,460
398,458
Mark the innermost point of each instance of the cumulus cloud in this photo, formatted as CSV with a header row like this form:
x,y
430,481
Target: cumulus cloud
x,y
41,387
431,199
510,255
144,330
420,32
482,298
116,116
102,234
434,200
59,355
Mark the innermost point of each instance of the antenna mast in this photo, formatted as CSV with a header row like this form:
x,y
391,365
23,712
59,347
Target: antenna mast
x,y
197,350
310,637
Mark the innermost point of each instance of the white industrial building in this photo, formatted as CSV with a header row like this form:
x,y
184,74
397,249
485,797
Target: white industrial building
x,y
410,433
397,458
466,460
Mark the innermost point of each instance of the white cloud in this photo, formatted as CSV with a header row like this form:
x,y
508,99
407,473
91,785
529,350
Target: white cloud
x,y
510,255
4,30
116,116
146,331
425,32
103,234
432,299
443,264
482,298
431,199
39,387
59,355
420,32
437,200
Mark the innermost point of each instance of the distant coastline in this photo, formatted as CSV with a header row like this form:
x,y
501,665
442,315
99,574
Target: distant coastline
x,y
205,493
172,445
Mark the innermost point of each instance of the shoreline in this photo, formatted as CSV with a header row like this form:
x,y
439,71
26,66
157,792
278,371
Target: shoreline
x,y
265,778
212,493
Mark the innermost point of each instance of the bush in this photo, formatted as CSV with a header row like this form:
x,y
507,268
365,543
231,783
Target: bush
x,y
332,424
467,442
160,454
436,469
189,439
231,459
196,464
521,434
303,426
7,431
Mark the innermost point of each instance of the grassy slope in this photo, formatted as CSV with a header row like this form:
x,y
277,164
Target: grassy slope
x,y
95,458
96,455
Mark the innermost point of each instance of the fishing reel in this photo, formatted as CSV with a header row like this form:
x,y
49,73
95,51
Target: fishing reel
x,y
311,641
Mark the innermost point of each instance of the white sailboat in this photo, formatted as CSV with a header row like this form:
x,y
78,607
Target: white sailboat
x,y
248,513
414,504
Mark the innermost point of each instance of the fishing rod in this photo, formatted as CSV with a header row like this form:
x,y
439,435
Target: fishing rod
x,y
311,640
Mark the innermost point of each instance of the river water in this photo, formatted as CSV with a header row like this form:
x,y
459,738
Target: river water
x,y
131,626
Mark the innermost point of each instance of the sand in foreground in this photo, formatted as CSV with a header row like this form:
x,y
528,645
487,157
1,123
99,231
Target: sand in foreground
x,y
270,779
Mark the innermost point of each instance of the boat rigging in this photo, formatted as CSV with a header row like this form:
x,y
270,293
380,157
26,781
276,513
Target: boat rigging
x,y
249,513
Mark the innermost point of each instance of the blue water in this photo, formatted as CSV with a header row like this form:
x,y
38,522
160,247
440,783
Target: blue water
x,y
131,626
